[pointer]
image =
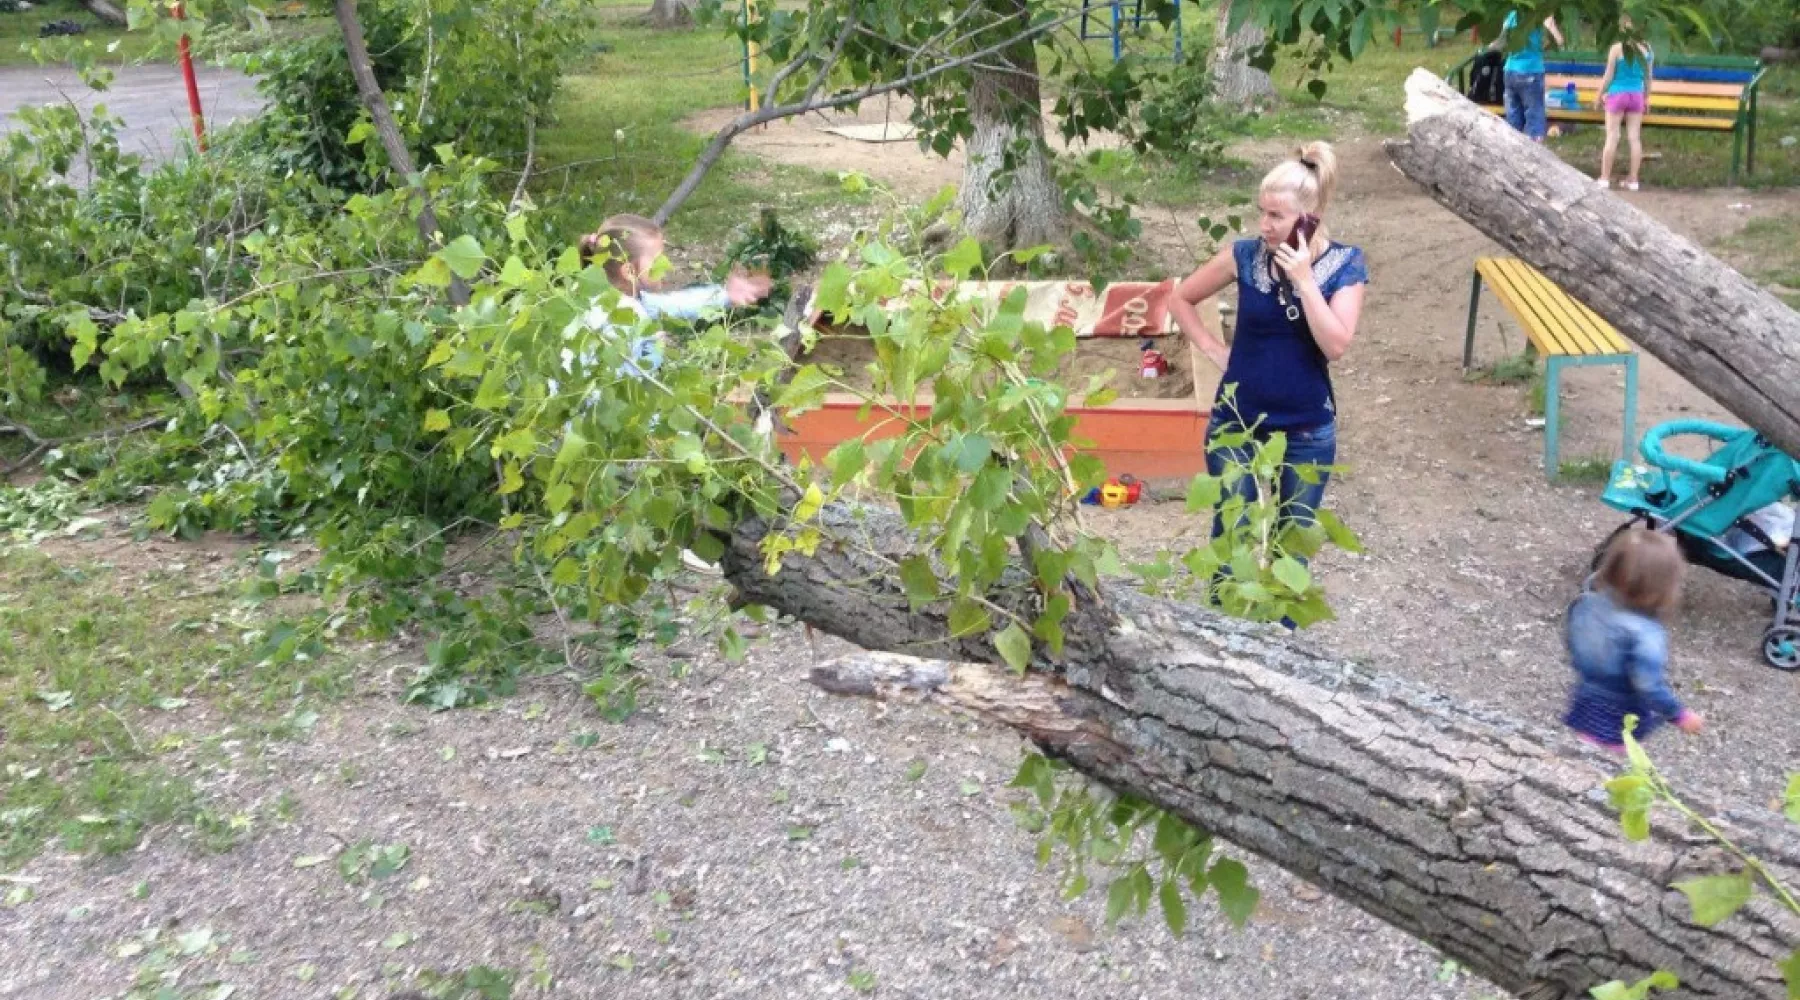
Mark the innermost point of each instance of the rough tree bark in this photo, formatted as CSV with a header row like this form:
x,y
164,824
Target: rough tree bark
x,y
1010,197
672,13
1235,81
356,50
1486,838
1734,341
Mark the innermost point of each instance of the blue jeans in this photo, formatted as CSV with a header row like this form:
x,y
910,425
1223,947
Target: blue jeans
x,y
1298,499
1525,104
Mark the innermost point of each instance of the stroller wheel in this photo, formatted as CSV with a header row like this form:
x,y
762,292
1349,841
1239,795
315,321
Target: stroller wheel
x,y
1781,647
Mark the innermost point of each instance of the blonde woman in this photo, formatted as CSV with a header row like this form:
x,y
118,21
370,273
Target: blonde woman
x,y
1300,296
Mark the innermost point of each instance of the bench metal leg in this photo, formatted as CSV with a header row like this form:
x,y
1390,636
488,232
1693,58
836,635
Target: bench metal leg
x,y
1737,149
1750,146
1629,451
1552,418
1469,338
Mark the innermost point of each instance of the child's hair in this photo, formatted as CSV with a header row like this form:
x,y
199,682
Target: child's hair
x,y
1309,178
1641,570
624,239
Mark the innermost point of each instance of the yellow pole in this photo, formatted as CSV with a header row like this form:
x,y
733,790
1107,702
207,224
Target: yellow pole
x,y
754,49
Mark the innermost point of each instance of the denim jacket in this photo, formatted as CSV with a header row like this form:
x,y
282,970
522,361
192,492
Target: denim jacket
x,y
1621,658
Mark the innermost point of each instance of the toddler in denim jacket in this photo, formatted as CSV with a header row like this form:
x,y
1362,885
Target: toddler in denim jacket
x,y
1619,646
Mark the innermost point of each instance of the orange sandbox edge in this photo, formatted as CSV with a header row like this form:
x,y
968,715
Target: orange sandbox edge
x,y
1152,439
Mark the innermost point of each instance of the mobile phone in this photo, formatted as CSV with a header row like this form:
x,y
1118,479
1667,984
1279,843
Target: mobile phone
x,y
1303,230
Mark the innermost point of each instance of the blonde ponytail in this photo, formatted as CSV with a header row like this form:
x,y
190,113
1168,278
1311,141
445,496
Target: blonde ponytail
x,y
1310,178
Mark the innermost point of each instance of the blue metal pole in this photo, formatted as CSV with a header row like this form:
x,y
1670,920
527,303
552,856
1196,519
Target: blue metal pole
x,y
1177,30
1118,13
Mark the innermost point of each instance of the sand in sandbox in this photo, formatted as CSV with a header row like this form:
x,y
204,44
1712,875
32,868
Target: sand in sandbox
x,y
853,352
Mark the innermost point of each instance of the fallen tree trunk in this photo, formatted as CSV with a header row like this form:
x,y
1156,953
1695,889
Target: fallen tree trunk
x,y
1484,837
1734,341
107,11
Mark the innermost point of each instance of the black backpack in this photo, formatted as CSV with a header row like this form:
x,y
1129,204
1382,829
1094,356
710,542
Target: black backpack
x,y
1487,79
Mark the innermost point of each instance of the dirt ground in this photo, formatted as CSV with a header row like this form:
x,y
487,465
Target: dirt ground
x,y
748,836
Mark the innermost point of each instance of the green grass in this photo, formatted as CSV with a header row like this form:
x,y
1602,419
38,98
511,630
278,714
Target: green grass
x,y
112,47
1770,252
99,669
617,145
1590,470
1514,369
1175,182
19,31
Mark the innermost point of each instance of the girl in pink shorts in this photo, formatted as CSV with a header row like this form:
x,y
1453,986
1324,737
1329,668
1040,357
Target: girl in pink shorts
x,y
1625,96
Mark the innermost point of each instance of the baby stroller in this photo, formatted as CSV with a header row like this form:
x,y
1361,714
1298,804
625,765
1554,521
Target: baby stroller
x,y
1729,513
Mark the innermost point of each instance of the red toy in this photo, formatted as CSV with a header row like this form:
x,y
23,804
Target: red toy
x,y
1155,364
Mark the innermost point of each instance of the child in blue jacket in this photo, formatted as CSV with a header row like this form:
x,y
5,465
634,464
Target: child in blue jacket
x,y
1619,646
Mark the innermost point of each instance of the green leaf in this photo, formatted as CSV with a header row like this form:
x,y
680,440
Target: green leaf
x,y
1633,796
1790,974
1716,897
436,420
969,452
1014,647
1292,574
1174,910
1203,493
1237,897
1791,799
805,390
919,580
433,273
963,259
1118,899
810,502
464,256
990,488
733,645
515,273
967,618
846,460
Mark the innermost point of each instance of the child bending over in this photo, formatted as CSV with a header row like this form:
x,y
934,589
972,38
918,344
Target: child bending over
x,y
1618,645
628,246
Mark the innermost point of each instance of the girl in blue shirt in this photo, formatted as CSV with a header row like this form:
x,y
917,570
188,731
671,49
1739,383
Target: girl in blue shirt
x,y
1297,312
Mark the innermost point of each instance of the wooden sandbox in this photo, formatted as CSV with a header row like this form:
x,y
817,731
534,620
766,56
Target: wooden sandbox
x,y
1155,430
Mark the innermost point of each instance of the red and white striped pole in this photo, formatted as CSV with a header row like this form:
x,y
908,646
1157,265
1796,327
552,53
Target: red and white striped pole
x,y
193,86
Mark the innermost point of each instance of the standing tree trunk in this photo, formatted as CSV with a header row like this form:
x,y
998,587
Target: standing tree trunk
x,y
1484,837
1010,197
672,13
1733,340
1236,82
356,50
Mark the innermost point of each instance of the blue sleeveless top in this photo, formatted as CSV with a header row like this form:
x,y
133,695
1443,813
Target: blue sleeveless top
x,y
1629,72
1278,371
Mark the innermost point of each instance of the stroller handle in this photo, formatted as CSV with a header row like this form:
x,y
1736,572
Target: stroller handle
x,y
1654,454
